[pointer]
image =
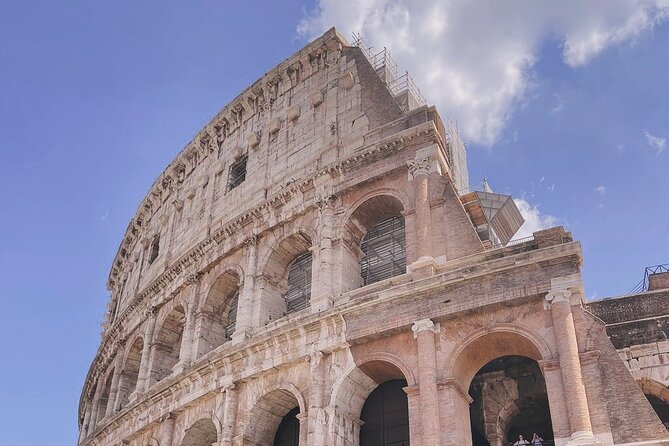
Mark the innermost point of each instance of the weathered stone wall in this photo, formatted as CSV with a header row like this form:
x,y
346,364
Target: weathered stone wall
x,y
330,154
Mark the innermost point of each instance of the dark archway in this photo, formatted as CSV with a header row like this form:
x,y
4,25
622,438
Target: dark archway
x,y
509,399
288,433
661,409
385,416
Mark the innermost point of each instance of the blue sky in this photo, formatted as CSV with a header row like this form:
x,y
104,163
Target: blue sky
x,y
95,100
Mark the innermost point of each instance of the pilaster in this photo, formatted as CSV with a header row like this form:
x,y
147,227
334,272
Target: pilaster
x,y
424,332
570,367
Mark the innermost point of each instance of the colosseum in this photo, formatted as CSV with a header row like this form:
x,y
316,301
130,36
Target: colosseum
x,y
312,269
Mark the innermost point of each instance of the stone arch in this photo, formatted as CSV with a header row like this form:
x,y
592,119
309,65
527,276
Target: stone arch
x,y
657,395
218,310
274,274
375,241
391,359
351,391
268,411
130,371
167,344
203,432
389,192
488,343
651,387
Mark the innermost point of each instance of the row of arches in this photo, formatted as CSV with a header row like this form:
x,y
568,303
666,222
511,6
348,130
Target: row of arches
x,y
375,234
499,368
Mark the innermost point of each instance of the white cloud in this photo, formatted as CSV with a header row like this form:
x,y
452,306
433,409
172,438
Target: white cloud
x,y
474,60
534,219
601,189
656,143
559,104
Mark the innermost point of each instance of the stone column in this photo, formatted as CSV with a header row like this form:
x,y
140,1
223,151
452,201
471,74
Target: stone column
x,y
96,403
84,425
570,367
303,418
229,415
316,419
413,401
419,170
188,339
424,332
592,379
558,406
322,284
118,367
247,298
143,376
455,403
167,429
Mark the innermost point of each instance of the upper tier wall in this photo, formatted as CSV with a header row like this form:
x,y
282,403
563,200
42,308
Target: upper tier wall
x,y
322,105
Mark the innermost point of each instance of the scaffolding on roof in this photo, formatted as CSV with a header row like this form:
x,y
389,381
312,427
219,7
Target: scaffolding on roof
x,y
386,67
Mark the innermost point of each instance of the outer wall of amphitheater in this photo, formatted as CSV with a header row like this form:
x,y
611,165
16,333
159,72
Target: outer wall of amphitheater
x,y
306,272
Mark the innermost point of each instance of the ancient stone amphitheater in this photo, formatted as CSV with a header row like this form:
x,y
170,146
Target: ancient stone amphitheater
x,y
312,269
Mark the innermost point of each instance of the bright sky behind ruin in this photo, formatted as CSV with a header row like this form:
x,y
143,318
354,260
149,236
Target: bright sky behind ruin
x,y
564,105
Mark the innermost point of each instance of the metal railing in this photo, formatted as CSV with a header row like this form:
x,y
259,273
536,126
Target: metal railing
x,y
642,286
514,242
386,67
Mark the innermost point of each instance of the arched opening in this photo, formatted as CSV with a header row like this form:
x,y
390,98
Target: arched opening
x,y
661,408
167,345
657,395
154,249
509,399
375,238
218,317
286,280
201,433
274,420
373,391
385,416
130,373
105,396
298,294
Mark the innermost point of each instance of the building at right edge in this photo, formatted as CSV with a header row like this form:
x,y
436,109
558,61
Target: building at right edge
x,y
312,270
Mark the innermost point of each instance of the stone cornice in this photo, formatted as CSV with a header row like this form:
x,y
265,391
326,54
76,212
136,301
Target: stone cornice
x,y
364,298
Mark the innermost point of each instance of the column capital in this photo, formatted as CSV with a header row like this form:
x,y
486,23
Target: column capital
x,y
418,166
558,296
423,325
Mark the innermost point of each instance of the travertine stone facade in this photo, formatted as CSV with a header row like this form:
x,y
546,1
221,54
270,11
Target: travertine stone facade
x,y
276,197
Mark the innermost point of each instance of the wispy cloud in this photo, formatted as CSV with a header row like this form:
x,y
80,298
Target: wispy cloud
x,y
656,143
535,220
104,216
559,104
475,60
601,189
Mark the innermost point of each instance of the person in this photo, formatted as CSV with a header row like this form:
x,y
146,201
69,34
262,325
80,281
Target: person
x,y
521,441
537,440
